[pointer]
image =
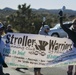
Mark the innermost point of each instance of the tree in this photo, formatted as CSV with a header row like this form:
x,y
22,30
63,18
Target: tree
x,y
22,18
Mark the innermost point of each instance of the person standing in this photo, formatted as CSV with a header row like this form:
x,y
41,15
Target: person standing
x,y
9,29
2,62
70,67
43,31
72,36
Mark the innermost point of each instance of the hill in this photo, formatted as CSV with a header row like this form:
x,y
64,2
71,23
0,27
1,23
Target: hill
x,y
7,11
55,11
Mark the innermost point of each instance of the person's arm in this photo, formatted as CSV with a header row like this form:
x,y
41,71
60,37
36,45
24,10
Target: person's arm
x,y
67,30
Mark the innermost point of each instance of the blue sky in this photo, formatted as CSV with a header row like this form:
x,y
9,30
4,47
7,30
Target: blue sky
x,y
47,4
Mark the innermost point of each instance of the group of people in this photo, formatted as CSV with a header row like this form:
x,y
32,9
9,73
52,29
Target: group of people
x,y
43,31
71,35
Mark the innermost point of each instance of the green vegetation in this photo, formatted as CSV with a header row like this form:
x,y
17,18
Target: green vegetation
x,y
27,20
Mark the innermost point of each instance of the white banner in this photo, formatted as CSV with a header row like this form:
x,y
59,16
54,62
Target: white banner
x,y
30,50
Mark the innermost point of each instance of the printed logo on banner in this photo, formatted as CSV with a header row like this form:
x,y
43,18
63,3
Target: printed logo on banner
x,y
41,48
42,45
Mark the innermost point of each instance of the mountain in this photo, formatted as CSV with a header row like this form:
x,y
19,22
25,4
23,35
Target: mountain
x,y
55,11
7,11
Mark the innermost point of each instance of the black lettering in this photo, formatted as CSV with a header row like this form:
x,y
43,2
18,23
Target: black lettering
x,y
19,40
29,41
52,44
23,40
12,39
16,38
33,41
8,38
26,40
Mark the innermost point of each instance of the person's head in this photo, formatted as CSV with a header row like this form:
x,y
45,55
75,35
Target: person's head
x,y
1,28
9,27
74,24
46,28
